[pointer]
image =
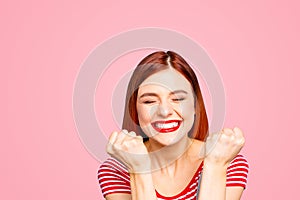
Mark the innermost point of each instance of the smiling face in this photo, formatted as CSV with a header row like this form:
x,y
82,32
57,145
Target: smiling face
x,y
165,107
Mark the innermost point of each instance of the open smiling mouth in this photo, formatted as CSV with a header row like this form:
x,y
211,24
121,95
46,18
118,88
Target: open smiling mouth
x,y
166,126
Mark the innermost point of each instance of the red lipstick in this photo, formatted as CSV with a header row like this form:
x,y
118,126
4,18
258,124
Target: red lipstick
x,y
166,126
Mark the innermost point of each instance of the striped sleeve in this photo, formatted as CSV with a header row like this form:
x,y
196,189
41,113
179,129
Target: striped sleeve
x,y
237,172
113,177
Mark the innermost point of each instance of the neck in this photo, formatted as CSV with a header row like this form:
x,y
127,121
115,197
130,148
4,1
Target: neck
x,y
163,156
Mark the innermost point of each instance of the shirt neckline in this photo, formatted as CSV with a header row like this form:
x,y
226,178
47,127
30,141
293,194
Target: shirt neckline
x,y
184,191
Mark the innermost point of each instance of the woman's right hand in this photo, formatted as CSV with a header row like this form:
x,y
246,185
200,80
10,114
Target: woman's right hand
x,y
129,148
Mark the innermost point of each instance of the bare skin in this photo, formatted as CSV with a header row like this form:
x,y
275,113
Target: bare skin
x,y
159,163
166,179
213,185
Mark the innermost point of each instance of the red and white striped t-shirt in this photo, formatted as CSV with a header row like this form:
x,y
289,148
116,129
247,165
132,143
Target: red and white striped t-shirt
x,y
114,178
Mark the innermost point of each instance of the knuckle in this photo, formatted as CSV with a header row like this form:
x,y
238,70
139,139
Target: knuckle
x,y
227,131
139,137
109,149
124,131
117,147
243,141
127,144
132,133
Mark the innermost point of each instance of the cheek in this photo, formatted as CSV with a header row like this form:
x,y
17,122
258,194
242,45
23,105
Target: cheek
x,y
144,116
188,115
187,110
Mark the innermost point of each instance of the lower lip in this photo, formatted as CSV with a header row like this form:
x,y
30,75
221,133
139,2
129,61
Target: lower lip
x,y
166,130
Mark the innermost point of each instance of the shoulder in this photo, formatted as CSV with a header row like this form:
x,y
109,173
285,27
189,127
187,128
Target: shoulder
x,y
239,162
237,172
112,167
113,177
114,163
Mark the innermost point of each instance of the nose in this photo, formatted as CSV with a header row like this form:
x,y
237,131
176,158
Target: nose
x,y
164,109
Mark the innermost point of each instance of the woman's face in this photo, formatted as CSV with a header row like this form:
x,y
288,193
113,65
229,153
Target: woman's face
x,y
165,106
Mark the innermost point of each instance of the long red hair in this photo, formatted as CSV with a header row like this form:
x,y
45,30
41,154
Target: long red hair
x,y
150,65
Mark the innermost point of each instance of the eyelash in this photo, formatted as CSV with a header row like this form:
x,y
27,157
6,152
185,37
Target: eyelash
x,y
176,100
148,102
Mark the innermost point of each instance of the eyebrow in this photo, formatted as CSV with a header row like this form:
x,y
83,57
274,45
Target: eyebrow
x,y
155,95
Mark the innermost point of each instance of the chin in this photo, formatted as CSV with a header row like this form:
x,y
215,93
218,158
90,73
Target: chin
x,y
167,139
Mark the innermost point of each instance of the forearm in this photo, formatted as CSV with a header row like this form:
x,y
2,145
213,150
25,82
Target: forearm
x,y
213,183
142,186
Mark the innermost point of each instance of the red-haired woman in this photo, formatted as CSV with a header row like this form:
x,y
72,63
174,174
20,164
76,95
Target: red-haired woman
x,y
163,151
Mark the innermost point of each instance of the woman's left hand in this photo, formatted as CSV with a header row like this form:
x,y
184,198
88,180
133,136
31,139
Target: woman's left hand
x,y
222,147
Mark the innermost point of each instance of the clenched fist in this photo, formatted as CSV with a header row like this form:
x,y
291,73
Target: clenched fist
x,y
223,146
129,148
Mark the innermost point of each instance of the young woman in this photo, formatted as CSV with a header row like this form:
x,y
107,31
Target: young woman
x,y
163,151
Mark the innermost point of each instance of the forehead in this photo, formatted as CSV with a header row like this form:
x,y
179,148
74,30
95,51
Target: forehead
x,y
169,79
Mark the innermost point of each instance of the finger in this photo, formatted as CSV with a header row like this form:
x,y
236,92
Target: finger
x,y
139,138
111,141
226,138
132,134
238,132
239,135
124,131
113,137
227,131
122,135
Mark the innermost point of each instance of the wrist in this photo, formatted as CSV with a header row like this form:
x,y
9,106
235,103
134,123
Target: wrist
x,y
214,171
142,186
144,168
214,164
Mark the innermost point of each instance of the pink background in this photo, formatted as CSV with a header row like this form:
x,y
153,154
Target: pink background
x,y
255,46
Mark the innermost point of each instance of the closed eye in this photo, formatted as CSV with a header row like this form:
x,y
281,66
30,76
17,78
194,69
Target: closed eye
x,y
178,99
148,102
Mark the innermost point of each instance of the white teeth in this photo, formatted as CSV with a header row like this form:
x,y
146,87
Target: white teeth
x,y
168,125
